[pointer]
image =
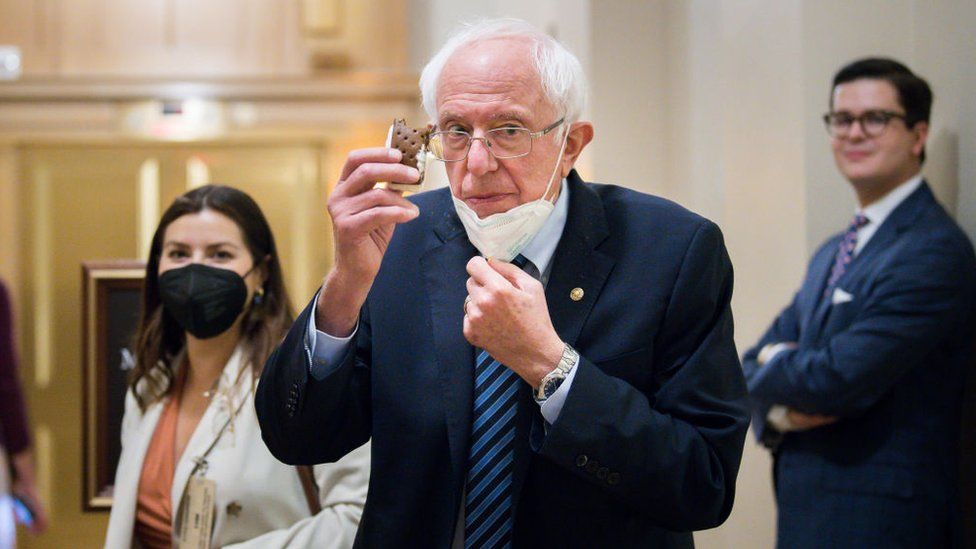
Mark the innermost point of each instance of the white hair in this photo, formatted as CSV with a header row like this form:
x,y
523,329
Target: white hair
x,y
560,72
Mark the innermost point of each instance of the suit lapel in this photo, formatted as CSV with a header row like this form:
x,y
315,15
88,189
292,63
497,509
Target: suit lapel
x,y
901,218
445,276
820,303
897,222
577,265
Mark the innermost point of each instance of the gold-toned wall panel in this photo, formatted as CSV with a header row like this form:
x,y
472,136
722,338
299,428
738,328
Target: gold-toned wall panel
x,y
211,39
78,204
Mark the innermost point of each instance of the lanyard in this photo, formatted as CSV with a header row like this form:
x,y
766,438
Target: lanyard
x,y
200,462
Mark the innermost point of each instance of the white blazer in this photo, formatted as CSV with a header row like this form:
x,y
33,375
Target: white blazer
x,y
260,501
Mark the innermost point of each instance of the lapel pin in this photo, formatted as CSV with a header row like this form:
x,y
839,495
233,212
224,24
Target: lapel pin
x,y
576,294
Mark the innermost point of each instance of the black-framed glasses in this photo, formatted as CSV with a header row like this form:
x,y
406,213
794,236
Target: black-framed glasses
x,y
873,123
503,142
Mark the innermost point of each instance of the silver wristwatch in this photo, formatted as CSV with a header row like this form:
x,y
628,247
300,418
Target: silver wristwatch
x,y
555,378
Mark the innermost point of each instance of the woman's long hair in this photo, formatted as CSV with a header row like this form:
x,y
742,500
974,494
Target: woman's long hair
x,y
159,339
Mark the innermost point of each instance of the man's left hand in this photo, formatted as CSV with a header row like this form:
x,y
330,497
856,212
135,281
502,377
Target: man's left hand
x,y
507,315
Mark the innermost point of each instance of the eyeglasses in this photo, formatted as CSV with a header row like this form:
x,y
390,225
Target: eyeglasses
x,y
504,142
873,123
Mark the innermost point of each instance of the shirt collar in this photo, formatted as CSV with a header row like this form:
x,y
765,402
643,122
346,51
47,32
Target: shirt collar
x,y
880,210
542,247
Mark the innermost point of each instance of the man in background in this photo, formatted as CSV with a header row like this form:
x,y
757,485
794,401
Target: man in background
x,y
858,383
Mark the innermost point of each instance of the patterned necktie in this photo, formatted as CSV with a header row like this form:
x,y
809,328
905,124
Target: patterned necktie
x,y
491,460
845,252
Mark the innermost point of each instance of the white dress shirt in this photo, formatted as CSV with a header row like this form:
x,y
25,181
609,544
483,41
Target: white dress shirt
x,y
328,350
876,213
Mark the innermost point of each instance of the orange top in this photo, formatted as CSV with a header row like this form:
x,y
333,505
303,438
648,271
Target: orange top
x,y
154,508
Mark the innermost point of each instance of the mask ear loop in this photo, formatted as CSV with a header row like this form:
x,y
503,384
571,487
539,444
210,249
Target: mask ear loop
x,y
559,161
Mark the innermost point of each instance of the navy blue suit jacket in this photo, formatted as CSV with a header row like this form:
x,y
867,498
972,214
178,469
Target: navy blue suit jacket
x,y
891,363
648,443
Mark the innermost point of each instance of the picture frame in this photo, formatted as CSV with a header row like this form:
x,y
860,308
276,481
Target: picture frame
x,y
111,306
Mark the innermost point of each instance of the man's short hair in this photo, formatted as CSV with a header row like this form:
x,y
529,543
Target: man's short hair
x,y
914,93
560,72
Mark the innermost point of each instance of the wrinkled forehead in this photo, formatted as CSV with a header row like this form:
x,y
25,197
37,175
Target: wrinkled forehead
x,y
502,67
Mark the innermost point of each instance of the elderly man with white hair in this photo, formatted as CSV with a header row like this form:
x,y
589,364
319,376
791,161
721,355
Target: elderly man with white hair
x,y
539,361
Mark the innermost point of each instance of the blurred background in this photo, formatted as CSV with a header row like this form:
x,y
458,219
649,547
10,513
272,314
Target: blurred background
x,y
111,108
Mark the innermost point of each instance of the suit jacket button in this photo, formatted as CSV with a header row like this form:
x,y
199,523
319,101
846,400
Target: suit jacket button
x,y
602,473
592,466
581,460
613,479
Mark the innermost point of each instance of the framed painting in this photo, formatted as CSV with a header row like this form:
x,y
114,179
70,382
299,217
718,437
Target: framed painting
x,y
111,303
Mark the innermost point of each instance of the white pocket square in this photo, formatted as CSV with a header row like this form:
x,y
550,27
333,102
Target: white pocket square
x,y
840,296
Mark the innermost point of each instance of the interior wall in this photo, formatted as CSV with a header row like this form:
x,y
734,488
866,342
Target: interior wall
x,y
837,32
628,96
212,39
9,243
935,40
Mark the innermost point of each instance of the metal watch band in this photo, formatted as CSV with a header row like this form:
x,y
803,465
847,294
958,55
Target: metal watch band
x,y
563,367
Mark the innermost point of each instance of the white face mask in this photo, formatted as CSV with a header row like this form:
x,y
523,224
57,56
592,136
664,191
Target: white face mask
x,y
505,234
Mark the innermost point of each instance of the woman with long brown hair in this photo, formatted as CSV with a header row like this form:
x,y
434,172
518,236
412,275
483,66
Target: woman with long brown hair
x,y
193,467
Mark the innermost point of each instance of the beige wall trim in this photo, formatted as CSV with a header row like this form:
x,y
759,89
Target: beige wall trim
x,y
359,86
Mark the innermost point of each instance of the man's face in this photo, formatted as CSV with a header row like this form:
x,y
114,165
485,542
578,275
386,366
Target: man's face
x,y
887,159
491,84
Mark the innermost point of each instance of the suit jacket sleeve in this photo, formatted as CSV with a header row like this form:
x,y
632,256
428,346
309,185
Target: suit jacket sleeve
x,y
786,328
14,435
915,305
307,421
676,449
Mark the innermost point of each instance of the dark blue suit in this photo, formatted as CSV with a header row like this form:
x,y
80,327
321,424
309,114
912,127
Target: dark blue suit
x,y
648,442
891,363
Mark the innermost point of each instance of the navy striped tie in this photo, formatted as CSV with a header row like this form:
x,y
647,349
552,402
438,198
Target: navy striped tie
x,y
491,460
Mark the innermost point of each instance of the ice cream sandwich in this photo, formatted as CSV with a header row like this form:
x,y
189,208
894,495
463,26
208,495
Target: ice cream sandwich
x,y
413,144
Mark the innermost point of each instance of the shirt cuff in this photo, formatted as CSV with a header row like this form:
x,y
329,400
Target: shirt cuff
x,y
326,350
774,350
554,404
779,418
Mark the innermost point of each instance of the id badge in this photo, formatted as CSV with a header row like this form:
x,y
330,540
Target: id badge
x,y
197,518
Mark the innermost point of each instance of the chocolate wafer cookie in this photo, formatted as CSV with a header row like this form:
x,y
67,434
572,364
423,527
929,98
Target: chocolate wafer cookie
x,y
412,142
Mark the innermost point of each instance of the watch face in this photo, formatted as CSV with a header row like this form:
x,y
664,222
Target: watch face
x,y
551,386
